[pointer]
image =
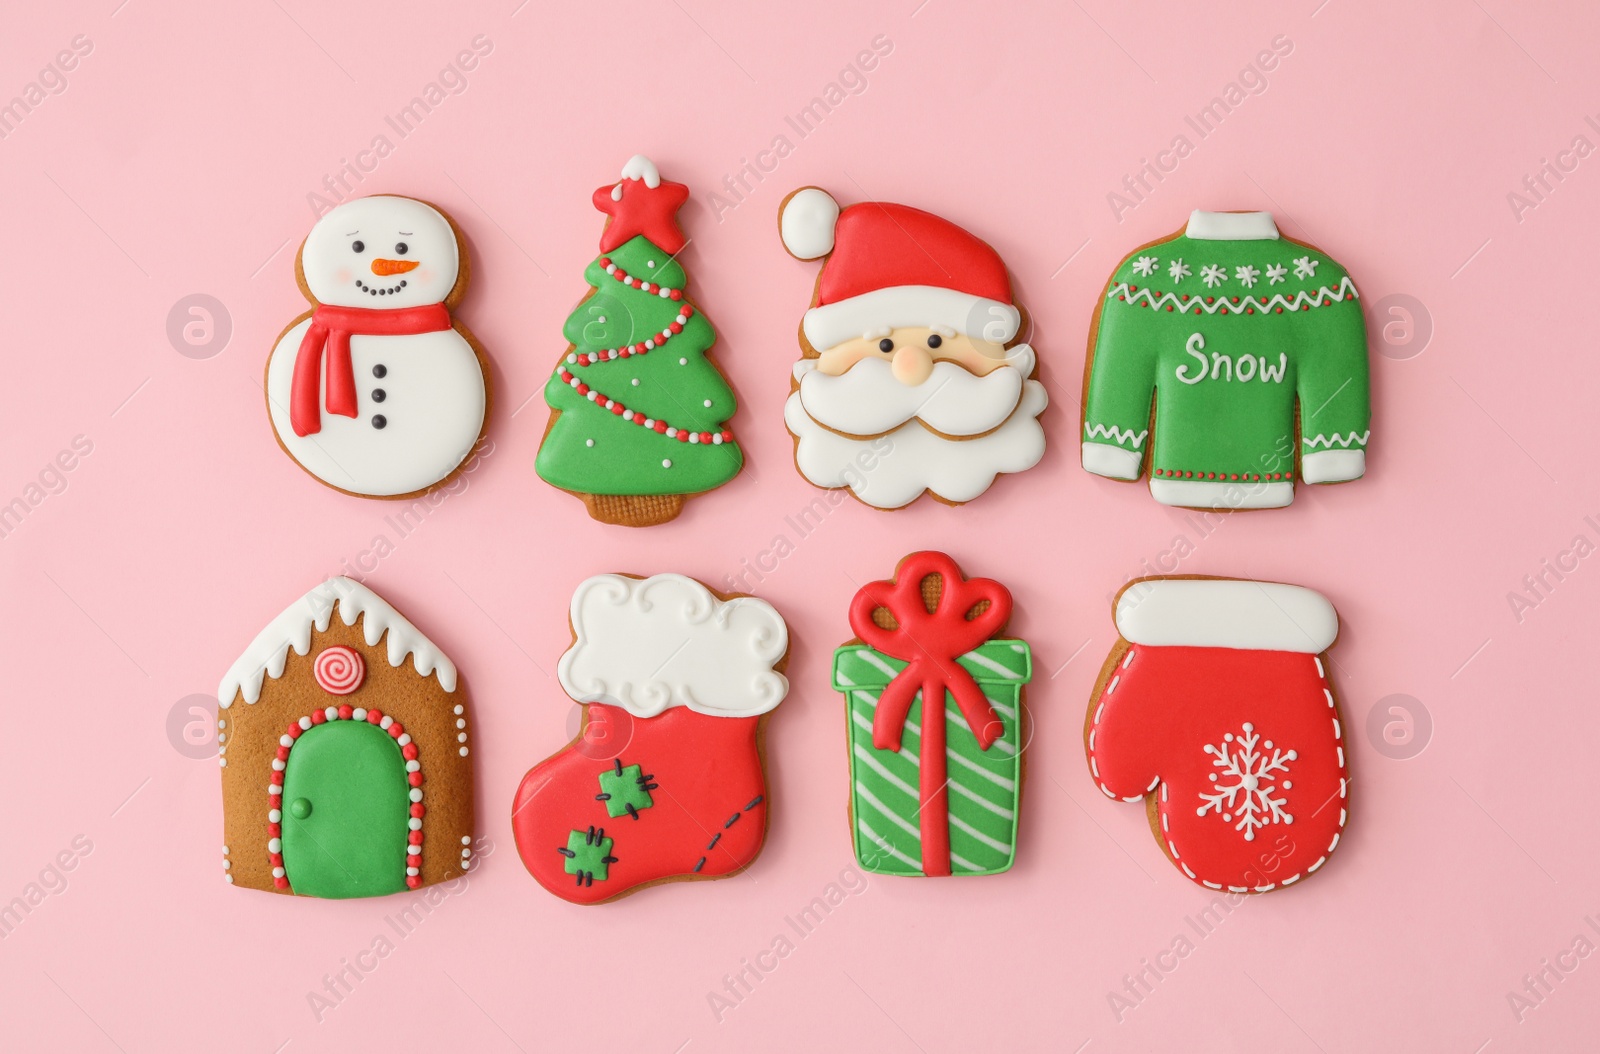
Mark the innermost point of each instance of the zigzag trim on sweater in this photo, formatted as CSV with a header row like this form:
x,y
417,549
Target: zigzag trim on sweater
x,y
1248,305
1115,434
1346,441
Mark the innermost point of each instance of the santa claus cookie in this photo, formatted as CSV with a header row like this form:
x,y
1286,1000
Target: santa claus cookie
x,y
343,737
1223,358
666,780
1216,711
639,411
914,378
378,390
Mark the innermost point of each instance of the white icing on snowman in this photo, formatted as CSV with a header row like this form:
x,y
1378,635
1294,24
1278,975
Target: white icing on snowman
x,y
419,394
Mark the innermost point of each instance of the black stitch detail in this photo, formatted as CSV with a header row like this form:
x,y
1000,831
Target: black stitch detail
x,y
753,803
732,820
608,859
714,839
699,864
631,810
602,796
618,763
564,851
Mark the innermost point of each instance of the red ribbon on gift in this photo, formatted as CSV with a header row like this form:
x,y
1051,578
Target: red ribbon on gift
x,y
930,642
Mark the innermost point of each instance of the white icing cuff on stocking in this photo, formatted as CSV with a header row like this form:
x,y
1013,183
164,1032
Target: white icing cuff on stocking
x,y
1112,461
1231,226
1333,466
1226,613
646,644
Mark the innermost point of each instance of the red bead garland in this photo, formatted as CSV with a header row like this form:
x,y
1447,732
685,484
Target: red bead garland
x,y
682,435
642,347
665,292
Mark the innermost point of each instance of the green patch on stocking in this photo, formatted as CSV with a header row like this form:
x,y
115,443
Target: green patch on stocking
x,y
625,790
588,855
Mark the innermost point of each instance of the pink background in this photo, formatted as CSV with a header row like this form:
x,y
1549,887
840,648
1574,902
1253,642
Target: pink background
x,y
177,161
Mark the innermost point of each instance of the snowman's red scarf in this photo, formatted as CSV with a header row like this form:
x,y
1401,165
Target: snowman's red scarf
x,y
331,329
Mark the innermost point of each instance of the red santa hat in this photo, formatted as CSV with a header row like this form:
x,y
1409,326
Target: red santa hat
x,y
890,266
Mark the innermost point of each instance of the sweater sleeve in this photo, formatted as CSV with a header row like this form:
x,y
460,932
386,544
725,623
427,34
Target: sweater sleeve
x,y
1121,385
1335,403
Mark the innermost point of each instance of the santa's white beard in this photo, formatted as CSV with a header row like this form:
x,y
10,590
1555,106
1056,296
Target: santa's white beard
x,y
867,400
895,468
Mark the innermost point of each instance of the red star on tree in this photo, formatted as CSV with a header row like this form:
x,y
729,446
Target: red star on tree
x,y
636,208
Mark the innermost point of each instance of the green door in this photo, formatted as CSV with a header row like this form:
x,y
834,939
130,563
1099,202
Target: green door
x,y
345,807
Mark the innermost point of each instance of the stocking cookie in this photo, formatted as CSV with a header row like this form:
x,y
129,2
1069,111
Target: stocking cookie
x,y
913,377
639,411
345,753
933,797
1216,711
377,390
666,779
1253,350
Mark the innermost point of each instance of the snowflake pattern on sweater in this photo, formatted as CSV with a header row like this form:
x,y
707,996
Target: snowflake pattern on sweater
x,y
1252,351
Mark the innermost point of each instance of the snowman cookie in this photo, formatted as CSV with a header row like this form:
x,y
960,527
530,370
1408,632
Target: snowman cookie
x,y
914,378
377,390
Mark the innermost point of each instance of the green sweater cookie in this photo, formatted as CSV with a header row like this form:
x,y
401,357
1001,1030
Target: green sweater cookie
x,y
1243,342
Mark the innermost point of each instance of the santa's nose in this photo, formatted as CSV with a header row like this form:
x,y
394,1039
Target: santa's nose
x,y
383,267
911,365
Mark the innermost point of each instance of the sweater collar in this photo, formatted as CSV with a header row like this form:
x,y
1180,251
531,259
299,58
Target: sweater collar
x,y
1231,226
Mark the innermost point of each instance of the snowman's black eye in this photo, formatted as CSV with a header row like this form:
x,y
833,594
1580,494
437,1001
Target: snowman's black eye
x,y
400,249
358,246
885,345
934,340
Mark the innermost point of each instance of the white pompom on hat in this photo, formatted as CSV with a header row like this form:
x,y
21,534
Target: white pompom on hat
x,y
806,220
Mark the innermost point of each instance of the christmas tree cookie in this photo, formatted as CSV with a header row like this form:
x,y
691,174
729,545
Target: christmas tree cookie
x,y
638,410
1222,359
665,782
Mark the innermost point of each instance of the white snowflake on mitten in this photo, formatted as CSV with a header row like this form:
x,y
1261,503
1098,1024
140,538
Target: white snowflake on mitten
x,y
1305,267
1247,275
1275,273
1213,275
1144,265
1177,270
1255,777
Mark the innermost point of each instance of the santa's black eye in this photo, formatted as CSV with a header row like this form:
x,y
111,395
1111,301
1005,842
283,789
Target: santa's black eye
x,y
934,340
885,345
400,249
358,246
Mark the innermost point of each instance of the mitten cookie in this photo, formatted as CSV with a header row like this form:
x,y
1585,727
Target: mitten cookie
x,y
1221,358
666,779
1215,709
346,768
378,390
639,411
933,797
914,377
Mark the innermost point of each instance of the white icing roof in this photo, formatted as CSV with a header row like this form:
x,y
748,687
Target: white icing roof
x,y
267,654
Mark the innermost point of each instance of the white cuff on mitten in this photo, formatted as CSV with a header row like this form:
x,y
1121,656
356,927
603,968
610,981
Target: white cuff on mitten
x,y
1105,460
1333,466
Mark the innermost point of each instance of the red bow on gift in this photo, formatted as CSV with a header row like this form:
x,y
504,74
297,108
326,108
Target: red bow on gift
x,y
930,643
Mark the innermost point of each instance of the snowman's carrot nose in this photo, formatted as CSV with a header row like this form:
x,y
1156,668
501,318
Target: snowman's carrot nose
x,y
381,266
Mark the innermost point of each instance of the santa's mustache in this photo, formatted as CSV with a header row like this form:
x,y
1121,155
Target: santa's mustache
x,y
866,400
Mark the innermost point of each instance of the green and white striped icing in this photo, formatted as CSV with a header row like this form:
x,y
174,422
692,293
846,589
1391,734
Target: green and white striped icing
x,y
985,786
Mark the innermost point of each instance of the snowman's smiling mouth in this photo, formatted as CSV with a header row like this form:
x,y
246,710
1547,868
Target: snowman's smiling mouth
x,y
376,291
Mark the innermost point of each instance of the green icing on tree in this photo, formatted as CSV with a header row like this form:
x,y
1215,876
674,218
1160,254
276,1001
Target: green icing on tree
x,y
593,450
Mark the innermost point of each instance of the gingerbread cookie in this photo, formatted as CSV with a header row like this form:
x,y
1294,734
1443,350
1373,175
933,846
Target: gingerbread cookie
x,y
639,411
665,781
345,754
1253,349
1216,711
913,378
935,797
377,390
